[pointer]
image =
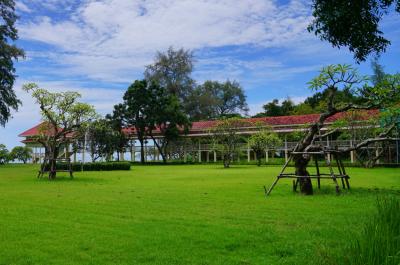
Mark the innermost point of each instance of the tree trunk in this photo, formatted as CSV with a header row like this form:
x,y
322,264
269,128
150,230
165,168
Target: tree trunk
x,y
142,158
301,163
52,162
227,161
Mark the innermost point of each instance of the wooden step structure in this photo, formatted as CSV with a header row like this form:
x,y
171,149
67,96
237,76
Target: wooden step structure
x,y
333,175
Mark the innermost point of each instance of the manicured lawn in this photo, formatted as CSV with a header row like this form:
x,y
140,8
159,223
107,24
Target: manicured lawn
x,y
199,214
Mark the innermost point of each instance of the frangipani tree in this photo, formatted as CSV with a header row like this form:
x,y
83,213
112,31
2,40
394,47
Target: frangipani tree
x,y
262,141
226,138
63,115
385,96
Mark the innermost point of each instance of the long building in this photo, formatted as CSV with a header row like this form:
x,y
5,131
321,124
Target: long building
x,y
195,147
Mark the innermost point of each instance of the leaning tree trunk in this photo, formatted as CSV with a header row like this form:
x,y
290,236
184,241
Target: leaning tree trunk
x,y
301,163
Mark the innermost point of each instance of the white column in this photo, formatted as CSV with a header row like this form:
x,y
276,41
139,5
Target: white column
x,y
286,150
248,152
376,154
351,152
199,152
133,151
266,156
215,156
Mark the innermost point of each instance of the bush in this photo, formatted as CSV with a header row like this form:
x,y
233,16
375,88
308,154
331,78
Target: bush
x,y
96,166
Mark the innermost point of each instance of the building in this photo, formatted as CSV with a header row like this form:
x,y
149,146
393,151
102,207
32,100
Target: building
x,y
194,146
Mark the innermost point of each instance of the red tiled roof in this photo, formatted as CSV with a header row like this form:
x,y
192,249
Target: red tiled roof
x,y
34,131
272,121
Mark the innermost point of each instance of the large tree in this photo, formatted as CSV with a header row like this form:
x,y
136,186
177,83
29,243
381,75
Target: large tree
x,y
336,78
214,100
165,115
137,101
8,53
102,139
116,123
62,116
353,24
172,70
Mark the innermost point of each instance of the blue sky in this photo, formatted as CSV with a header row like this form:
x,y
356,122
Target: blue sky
x,y
99,47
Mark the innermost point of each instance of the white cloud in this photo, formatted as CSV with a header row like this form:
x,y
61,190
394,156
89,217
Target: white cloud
x,y
20,6
106,39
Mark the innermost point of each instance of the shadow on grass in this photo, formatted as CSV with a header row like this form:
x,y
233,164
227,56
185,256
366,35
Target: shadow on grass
x,y
73,180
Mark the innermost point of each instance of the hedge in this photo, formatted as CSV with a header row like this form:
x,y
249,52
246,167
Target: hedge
x,y
96,166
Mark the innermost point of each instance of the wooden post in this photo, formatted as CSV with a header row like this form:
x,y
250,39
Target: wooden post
x,y
208,156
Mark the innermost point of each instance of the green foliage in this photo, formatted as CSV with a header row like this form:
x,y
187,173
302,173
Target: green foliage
x,y
117,137
214,100
9,53
226,139
62,114
354,24
21,153
172,70
102,139
149,107
265,139
4,154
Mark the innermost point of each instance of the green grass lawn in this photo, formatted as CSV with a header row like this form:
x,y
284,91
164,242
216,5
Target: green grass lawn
x,y
198,214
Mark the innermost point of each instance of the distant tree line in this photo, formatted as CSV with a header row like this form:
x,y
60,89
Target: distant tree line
x,y
18,153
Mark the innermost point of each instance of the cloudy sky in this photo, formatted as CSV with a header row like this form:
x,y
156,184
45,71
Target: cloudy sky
x,y
99,47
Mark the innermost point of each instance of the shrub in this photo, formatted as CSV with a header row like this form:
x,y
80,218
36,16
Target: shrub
x,y
96,166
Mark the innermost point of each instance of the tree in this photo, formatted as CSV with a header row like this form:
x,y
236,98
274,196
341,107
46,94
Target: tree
x,y
336,78
102,141
116,123
21,153
215,100
262,141
137,100
226,138
63,115
4,154
354,24
165,115
379,73
172,70
272,108
9,53
287,107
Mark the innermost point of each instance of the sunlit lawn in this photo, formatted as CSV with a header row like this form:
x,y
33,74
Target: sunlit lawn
x,y
198,214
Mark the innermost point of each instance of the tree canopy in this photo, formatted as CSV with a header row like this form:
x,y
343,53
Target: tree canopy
x,y
172,70
62,114
215,100
21,153
8,53
353,24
